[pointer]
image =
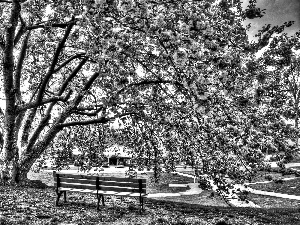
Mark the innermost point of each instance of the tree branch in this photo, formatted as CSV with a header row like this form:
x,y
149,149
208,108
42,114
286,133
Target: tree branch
x,y
68,61
88,108
19,121
94,121
55,128
72,75
54,61
58,25
44,122
47,116
50,24
43,102
87,122
21,31
27,126
2,43
17,75
86,87
82,112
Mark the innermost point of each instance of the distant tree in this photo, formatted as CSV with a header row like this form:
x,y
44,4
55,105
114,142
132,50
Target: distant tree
x,y
277,81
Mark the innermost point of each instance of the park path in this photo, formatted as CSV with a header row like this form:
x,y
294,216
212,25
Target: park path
x,y
194,189
287,165
279,195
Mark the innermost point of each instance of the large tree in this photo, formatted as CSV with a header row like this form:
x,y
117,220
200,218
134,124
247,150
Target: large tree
x,y
73,63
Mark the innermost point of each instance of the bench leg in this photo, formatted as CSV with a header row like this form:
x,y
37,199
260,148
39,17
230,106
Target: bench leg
x,y
57,198
98,202
65,196
103,200
141,204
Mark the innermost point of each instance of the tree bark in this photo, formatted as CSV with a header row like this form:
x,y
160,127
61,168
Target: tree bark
x,y
297,116
9,146
30,155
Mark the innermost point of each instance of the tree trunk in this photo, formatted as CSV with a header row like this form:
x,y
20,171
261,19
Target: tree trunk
x,y
12,172
297,118
156,166
22,170
16,170
9,148
1,140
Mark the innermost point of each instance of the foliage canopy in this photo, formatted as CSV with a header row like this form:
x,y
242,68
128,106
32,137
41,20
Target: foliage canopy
x,y
181,72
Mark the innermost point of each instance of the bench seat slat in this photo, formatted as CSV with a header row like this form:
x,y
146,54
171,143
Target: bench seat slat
x,y
78,186
87,191
105,192
107,183
124,194
121,184
129,194
75,176
118,189
103,188
64,189
71,189
71,180
118,179
77,190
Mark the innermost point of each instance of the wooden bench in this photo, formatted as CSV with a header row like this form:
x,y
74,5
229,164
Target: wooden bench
x,y
100,186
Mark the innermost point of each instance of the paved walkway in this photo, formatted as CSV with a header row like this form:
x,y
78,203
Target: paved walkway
x,y
287,165
279,195
194,189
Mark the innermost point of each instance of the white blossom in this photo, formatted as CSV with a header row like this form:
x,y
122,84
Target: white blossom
x,y
203,96
180,57
160,20
125,5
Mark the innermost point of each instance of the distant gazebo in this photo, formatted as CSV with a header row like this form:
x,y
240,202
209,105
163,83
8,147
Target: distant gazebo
x,y
118,155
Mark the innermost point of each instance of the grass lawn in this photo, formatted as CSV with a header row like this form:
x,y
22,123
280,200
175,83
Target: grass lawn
x,y
27,205
269,202
261,176
36,206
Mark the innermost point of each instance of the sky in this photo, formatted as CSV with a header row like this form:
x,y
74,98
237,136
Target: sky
x,y
277,12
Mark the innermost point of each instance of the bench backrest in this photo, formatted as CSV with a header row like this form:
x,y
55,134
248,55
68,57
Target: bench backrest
x,y
81,181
